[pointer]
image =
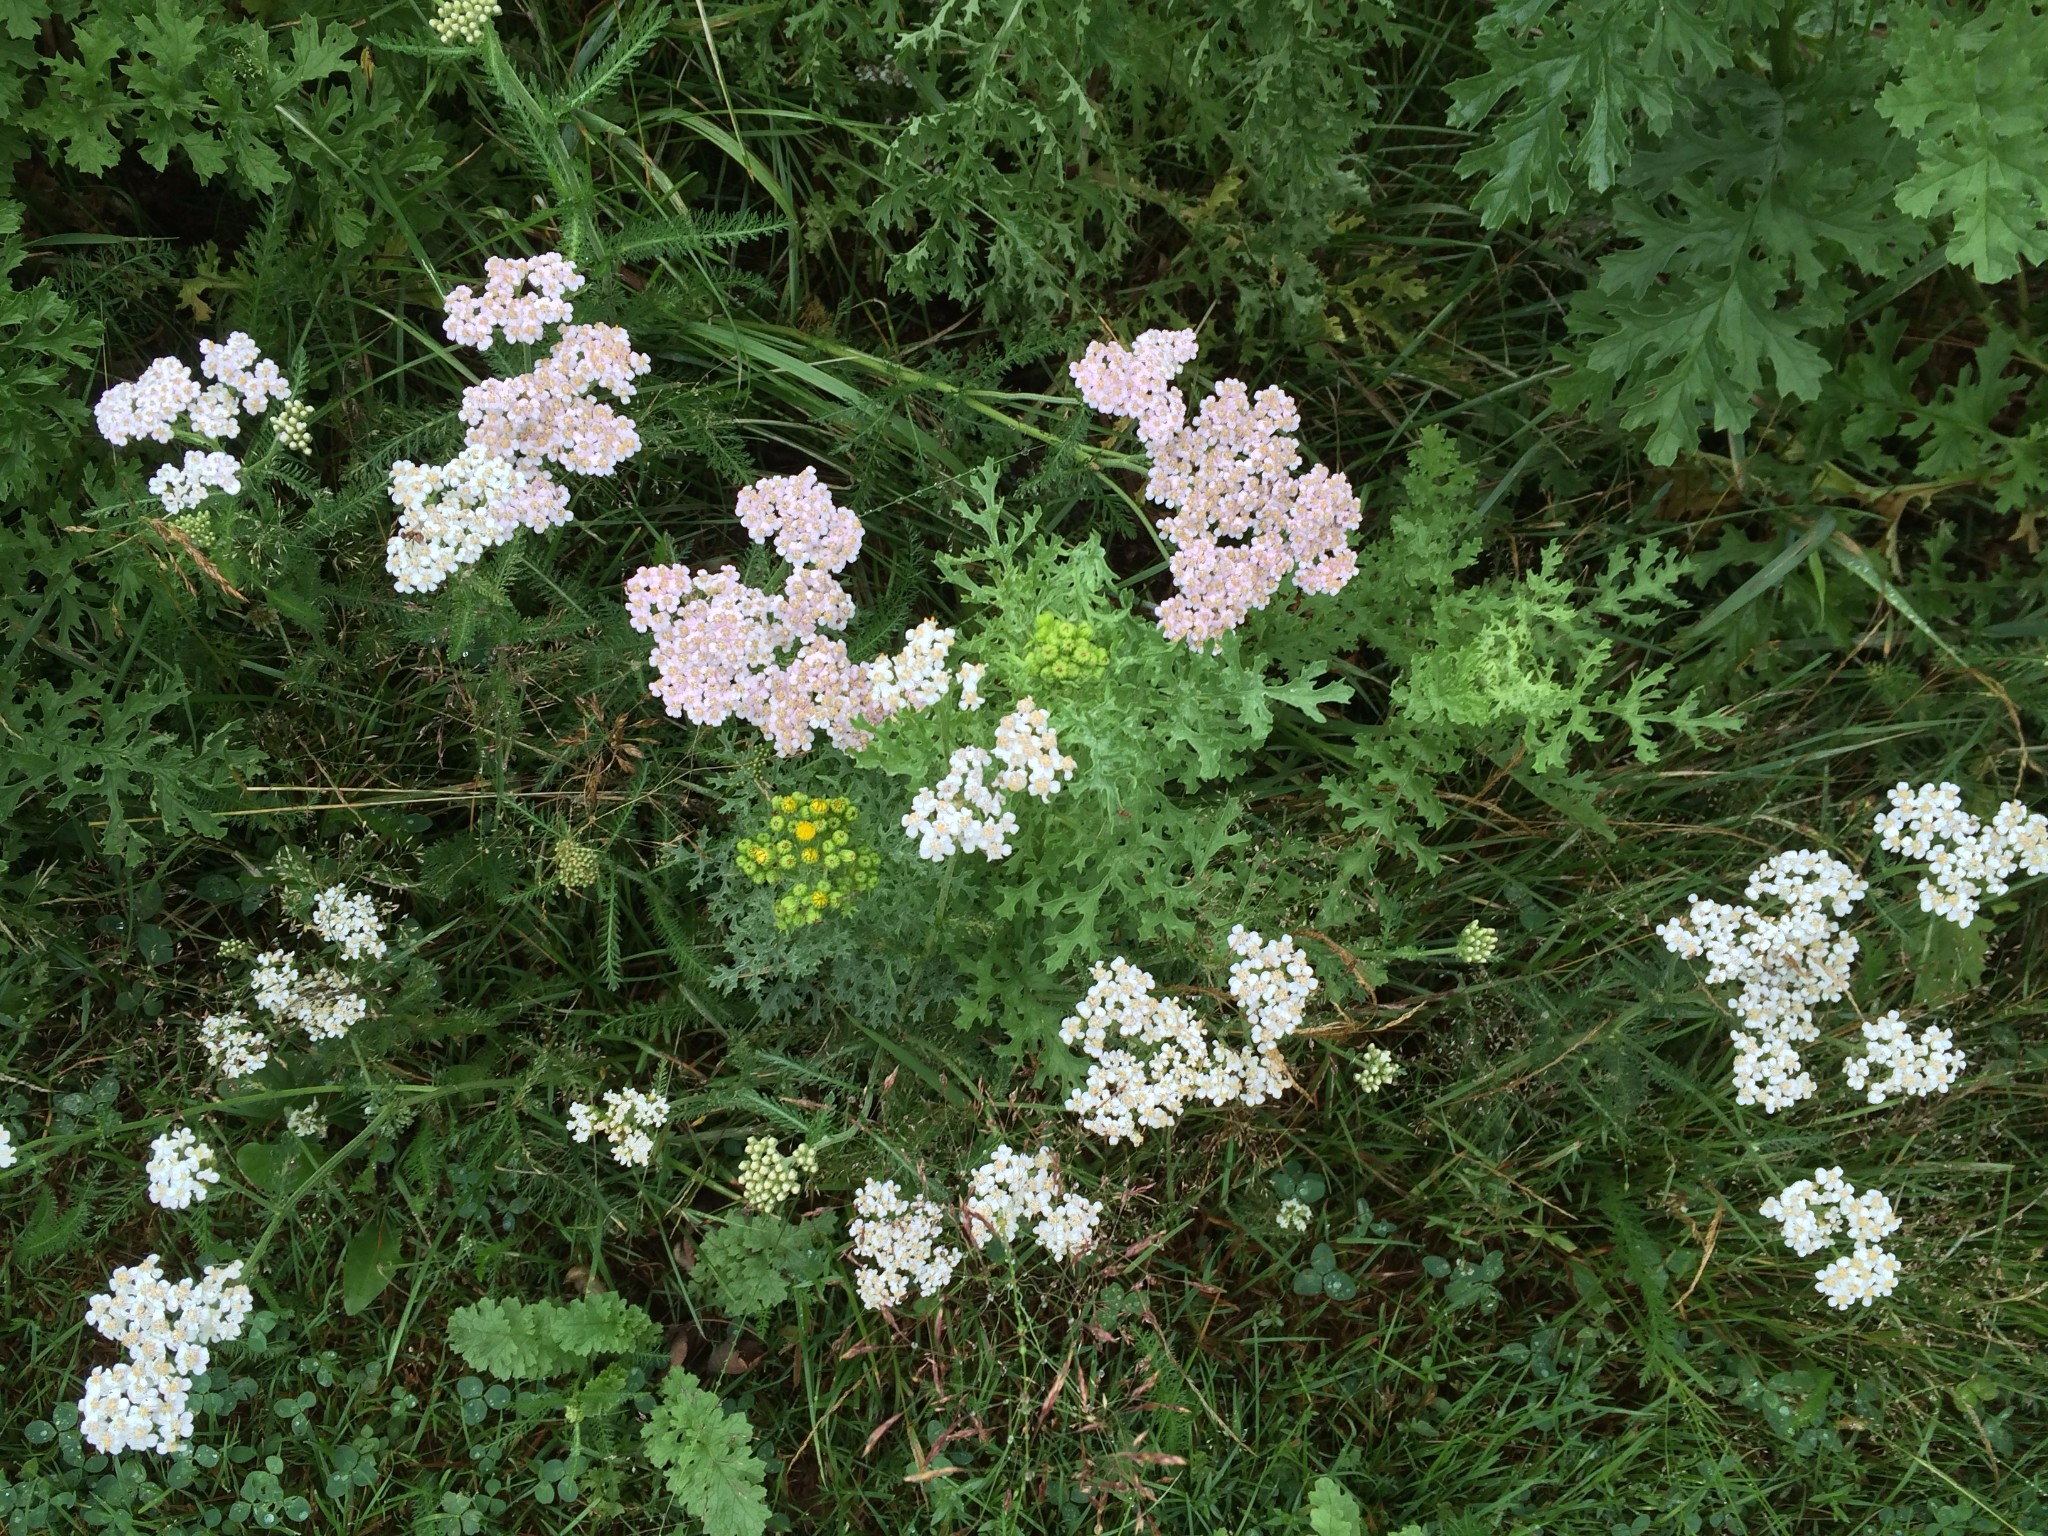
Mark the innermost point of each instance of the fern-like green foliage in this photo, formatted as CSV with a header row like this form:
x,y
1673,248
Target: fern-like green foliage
x,y
1037,150
1512,669
706,1456
81,741
167,77
517,1340
1763,165
1122,854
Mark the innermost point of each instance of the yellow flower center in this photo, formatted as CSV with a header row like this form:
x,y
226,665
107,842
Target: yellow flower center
x,y
805,831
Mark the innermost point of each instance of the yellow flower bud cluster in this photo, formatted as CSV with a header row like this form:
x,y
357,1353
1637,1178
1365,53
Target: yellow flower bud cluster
x,y
576,866
767,1178
808,853
1064,650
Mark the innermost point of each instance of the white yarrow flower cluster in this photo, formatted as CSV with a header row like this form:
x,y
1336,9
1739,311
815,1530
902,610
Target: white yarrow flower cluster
x,y
244,383
966,810
182,487
1010,1189
324,1003
1785,964
180,1168
1918,1067
231,1046
1820,1212
897,1241
629,1122
971,673
1127,1093
351,921
917,676
8,1156
449,514
1967,859
144,1404
306,1121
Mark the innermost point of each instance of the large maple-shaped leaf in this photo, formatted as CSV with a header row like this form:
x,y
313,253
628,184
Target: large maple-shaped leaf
x,y
1741,226
1575,84
707,1456
177,112
81,107
1970,97
508,1339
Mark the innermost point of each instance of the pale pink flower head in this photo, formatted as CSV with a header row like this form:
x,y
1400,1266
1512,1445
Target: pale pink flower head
x,y
523,424
724,649
474,319
1228,477
798,513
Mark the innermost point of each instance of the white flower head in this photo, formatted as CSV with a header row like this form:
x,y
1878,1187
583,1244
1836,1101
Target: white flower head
x,y
231,1046
1011,1189
629,1122
1967,860
1915,1067
1818,1213
1152,1056
180,1168
897,1241
144,1403
306,1121
1784,964
350,921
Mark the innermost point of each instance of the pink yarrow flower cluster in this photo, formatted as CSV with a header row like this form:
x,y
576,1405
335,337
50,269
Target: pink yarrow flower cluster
x,y
244,382
725,650
1242,520
449,514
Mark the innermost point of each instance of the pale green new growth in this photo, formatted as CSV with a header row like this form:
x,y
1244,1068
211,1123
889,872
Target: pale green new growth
x,y
706,1457
530,1340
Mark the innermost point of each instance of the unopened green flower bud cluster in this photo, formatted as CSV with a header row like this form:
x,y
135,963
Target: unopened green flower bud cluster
x,y
767,1178
1377,1068
576,865
807,852
293,425
463,21
1064,650
1477,943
